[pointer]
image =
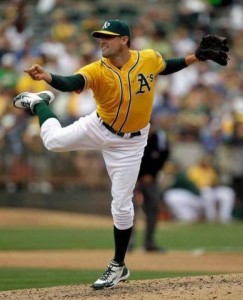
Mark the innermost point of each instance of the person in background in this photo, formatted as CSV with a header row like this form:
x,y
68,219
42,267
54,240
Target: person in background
x,y
181,196
218,199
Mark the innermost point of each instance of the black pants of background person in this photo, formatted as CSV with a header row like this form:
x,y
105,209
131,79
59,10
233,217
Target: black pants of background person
x,y
151,207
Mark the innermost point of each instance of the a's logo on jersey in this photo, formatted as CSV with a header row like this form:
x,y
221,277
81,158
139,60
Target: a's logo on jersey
x,y
144,83
106,25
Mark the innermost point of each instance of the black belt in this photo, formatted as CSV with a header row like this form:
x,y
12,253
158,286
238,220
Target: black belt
x,y
121,134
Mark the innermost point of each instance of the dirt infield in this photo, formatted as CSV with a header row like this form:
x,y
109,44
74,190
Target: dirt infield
x,y
137,260
221,287
225,286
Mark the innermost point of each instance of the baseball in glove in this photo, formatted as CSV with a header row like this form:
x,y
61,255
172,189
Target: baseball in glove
x,y
213,47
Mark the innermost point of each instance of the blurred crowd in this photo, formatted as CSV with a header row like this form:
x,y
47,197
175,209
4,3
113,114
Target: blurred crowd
x,y
202,103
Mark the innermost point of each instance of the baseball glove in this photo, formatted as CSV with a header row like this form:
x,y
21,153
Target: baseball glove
x,y
214,48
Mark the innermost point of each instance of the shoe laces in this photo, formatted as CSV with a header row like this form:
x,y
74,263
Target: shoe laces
x,y
108,272
26,106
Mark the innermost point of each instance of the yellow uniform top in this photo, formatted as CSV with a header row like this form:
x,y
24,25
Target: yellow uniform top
x,y
202,177
124,97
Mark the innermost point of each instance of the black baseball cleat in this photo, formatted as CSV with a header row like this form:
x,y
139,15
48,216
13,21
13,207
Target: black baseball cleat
x,y
111,277
28,100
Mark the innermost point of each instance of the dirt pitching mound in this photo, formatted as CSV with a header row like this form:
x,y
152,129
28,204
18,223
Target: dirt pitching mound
x,y
222,287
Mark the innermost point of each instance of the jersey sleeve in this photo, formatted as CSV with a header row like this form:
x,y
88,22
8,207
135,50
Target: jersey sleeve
x,y
91,74
160,62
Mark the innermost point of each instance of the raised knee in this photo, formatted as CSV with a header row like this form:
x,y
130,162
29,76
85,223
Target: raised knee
x,y
52,146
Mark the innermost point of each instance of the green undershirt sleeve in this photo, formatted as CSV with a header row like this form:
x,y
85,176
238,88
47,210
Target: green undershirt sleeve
x,y
174,65
68,83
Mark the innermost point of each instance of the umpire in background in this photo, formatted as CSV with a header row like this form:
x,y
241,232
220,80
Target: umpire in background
x,y
155,155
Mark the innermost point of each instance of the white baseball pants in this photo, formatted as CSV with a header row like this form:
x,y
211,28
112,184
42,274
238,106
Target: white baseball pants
x,y
122,156
219,203
184,205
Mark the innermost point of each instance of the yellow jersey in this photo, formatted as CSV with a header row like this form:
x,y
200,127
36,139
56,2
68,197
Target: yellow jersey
x,y
124,97
202,177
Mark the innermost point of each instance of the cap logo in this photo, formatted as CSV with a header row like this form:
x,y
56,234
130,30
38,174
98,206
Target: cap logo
x,y
106,25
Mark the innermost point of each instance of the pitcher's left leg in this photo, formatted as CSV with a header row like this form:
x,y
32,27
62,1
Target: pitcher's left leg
x,y
123,159
123,176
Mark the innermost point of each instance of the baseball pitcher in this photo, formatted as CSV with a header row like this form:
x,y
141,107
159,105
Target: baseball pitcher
x,y
123,83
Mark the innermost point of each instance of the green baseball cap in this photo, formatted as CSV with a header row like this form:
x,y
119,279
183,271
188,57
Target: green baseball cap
x,y
113,27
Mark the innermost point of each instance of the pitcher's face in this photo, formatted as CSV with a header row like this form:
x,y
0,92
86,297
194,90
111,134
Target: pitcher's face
x,y
112,46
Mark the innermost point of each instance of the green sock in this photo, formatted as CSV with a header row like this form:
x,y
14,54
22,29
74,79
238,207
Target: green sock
x,y
43,111
121,238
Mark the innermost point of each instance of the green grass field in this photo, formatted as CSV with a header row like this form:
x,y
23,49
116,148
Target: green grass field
x,y
209,237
